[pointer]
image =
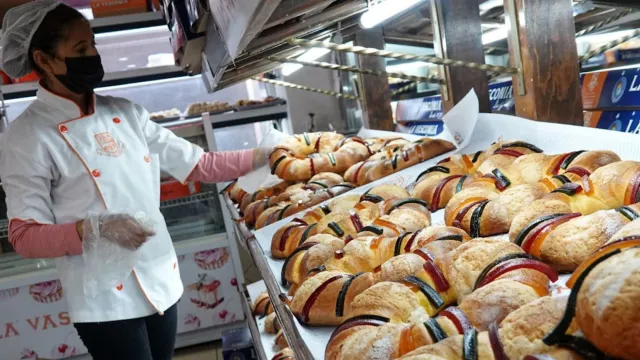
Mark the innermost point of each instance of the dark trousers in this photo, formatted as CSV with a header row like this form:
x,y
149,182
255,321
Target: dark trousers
x,y
148,338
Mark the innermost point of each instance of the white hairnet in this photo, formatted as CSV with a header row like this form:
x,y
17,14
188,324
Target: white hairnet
x,y
18,27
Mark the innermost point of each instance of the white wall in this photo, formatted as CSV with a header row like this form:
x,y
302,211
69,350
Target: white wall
x,y
301,103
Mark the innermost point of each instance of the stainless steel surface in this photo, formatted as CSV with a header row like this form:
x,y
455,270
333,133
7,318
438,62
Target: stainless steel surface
x,y
276,111
329,16
247,67
436,19
181,122
514,33
251,323
289,329
291,9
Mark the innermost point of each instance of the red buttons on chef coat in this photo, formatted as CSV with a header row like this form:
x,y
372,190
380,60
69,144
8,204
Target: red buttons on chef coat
x,y
96,173
63,129
174,265
116,120
119,287
147,159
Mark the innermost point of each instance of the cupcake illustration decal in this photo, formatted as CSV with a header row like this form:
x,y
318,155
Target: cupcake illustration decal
x,y
207,292
191,322
8,294
226,317
28,354
212,259
46,292
63,351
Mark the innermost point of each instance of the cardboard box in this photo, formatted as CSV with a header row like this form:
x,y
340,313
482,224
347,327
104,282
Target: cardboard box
x,y
104,8
430,107
623,121
422,128
32,77
625,52
606,90
173,189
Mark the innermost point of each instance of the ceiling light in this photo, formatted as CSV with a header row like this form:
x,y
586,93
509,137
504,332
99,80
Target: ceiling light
x,y
123,59
384,11
310,55
498,34
490,4
131,66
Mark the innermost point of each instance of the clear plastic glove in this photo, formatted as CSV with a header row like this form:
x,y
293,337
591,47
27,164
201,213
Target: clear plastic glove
x,y
109,244
261,175
261,157
121,229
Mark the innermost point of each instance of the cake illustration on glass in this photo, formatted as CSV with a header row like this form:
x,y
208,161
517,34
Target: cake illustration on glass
x,y
8,293
46,292
191,322
207,292
28,354
212,259
63,351
226,317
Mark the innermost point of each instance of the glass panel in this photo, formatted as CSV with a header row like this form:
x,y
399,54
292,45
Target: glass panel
x,y
194,216
135,49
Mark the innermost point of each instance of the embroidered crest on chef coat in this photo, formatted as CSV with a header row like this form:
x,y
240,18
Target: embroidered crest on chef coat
x,y
108,145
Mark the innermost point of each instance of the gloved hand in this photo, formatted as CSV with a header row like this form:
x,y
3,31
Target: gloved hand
x,y
261,156
121,229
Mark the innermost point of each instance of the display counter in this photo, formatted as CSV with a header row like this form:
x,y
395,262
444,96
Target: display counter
x,y
309,342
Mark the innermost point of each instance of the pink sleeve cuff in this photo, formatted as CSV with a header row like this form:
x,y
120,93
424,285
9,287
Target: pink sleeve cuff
x,y
33,240
215,167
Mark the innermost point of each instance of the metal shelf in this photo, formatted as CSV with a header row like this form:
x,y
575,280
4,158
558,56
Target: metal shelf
x,y
276,112
195,198
289,329
256,335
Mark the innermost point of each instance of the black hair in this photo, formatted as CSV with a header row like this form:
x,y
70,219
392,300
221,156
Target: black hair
x,y
52,31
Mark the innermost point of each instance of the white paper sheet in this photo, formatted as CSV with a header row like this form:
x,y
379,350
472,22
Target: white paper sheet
x,y
552,138
461,120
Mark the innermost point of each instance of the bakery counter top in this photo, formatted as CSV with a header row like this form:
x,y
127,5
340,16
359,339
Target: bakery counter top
x,y
557,141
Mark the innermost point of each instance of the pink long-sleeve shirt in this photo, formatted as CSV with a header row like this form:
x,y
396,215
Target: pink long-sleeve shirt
x,y
33,240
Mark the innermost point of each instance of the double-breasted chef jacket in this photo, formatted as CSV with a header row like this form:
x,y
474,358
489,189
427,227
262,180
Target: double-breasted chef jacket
x,y
57,165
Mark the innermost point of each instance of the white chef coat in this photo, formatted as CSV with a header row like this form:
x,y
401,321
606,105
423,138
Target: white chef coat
x,y
57,166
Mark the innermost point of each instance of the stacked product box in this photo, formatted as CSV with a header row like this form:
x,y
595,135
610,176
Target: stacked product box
x,y
423,116
611,99
625,121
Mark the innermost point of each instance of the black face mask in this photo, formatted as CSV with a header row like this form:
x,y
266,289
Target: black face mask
x,y
83,75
